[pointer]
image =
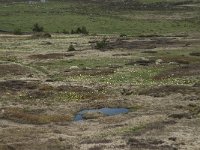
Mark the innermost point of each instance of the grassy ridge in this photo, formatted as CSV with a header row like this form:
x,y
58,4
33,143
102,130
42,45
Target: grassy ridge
x,y
56,16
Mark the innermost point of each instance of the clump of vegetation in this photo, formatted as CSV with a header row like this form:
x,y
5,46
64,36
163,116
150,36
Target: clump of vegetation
x,y
65,32
80,30
17,31
123,35
195,54
41,35
101,44
37,28
71,48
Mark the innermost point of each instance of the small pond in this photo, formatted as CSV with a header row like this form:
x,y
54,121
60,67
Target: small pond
x,y
104,111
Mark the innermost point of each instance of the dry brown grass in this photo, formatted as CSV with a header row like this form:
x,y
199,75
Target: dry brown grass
x,y
188,70
13,69
169,89
23,116
51,56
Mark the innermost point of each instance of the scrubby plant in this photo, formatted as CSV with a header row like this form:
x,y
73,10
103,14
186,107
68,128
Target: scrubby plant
x,y
123,35
71,48
37,28
41,35
80,30
101,44
65,32
17,31
72,31
84,30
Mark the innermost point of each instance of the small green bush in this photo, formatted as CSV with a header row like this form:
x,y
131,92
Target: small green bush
x,y
84,30
101,44
72,31
123,35
37,28
65,32
80,30
17,32
71,48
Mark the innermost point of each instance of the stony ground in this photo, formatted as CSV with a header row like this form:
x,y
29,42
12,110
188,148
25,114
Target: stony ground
x,y
43,85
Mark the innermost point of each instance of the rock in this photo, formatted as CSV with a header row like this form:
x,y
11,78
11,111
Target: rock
x,y
74,67
172,138
92,115
159,61
126,91
196,84
173,63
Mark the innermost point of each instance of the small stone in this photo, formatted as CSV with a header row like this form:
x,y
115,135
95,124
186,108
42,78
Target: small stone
x,y
159,61
61,139
74,67
172,138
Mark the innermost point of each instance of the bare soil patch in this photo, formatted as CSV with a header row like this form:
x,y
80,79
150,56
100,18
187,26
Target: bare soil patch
x,y
149,144
169,89
31,116
187,70
17,85
13,69
179,59
146,44
51,56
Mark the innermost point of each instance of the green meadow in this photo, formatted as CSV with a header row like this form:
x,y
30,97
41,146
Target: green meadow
x,y
144,17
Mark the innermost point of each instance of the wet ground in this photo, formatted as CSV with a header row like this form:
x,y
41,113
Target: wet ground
x,y
154,81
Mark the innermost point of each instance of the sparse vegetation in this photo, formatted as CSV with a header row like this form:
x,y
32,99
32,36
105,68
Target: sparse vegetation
x,y
101,44
148,64
80,30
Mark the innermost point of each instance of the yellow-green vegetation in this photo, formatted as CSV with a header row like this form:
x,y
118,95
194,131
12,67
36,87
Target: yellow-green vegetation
x,y
102,17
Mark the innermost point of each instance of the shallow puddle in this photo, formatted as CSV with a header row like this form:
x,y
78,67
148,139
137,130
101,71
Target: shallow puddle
x,y
104,111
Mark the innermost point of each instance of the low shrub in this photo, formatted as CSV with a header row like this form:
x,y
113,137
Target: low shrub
x,y
71,48
17,32
65,32
123,35
37,28
80,30
101,44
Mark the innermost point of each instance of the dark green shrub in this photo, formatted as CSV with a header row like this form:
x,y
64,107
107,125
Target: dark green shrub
x,y
17,32
123,35
101,44
71,48
37,28
84,30
79,30
72,31
65,32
